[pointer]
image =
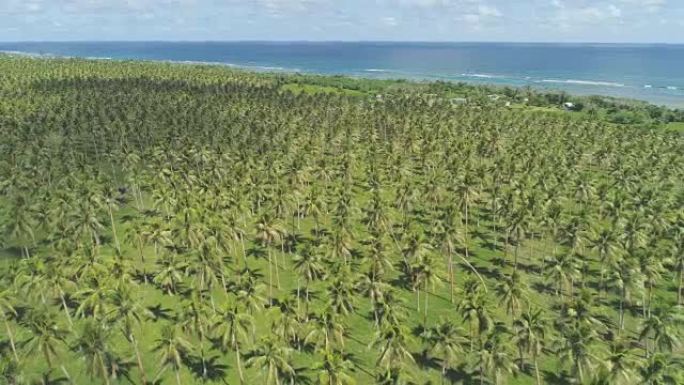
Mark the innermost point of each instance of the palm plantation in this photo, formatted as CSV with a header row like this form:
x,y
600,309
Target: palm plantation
x,y
182,224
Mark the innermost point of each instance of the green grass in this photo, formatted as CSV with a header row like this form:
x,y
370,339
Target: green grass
x,y
675,126
312,89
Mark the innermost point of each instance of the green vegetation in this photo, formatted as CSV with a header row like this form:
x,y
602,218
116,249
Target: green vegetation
x,y
676,126
182,224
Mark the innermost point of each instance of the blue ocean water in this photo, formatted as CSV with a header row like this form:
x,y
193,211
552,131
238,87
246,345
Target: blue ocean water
x,y
654,73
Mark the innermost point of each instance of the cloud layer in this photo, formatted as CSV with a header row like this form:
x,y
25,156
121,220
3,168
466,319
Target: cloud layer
x,y
425,20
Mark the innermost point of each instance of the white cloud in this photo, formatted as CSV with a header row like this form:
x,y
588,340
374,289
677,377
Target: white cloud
x,y
481,15
389,21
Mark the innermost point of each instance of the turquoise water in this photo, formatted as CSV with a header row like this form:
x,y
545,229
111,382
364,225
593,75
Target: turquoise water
x,y
654,73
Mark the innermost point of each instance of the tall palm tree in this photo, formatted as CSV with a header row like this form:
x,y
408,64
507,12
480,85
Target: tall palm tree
x,y
309,266
7,311
494,359
662,369
45,335
334,370
172,349
268,233
446,341
234,327
663,328
512,292
577,347
128,313
93,345
272,359
530,331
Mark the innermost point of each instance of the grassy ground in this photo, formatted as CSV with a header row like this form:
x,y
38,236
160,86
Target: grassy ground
x,y
676,126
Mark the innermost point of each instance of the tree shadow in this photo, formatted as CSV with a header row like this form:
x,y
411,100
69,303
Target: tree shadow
x,y
460,374
558,378
159,312
211,369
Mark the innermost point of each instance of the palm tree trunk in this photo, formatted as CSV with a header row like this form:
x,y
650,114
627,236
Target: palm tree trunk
x,y
116,239
239,365
11,340
270,279
105,372
681,284
143,377
426,305
536,370
451,276
622,309
465,240
66,309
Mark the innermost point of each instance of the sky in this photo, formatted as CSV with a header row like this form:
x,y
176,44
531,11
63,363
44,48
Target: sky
x,y
611,21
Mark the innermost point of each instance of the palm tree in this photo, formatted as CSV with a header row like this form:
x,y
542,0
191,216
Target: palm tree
x,y
7,311
512,292
662,369
309,266
475,312
620,363
576,346
172,350
334,370
20,226
128,313
425,276
663,329
562,269
530,331
93,345
605,243
272,359
494,359
626,278
446,341
324,329
45,335
392,342
267,234
234,327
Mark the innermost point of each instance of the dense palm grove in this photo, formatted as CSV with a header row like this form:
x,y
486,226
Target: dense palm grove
x,y
183,224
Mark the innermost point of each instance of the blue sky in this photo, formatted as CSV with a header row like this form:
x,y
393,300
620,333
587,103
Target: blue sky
x,y
422,20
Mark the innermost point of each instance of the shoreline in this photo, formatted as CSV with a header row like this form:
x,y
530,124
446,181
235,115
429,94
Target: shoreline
x,y
573,87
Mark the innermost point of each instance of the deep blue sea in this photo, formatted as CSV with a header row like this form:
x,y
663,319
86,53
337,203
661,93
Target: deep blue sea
x,y
653,73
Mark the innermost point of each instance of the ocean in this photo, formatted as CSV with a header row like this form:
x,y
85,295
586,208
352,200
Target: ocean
x,y
654,73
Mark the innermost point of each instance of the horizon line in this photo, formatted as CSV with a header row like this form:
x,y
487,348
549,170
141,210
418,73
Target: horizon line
x,y
341,41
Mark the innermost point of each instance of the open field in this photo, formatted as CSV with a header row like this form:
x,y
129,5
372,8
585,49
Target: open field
x,y
182,224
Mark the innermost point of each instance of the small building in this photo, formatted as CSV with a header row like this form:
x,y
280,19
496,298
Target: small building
x,y
458,101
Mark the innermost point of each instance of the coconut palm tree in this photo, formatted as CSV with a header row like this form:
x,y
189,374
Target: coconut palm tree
x,y
392,344
512,292
234,328
93,346
494,359
7,311
334,370
446,341
662,369
663,328
272,359
128,313
45,336
172,349
530,332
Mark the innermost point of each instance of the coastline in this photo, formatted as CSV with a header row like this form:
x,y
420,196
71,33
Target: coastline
x,y
573,87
